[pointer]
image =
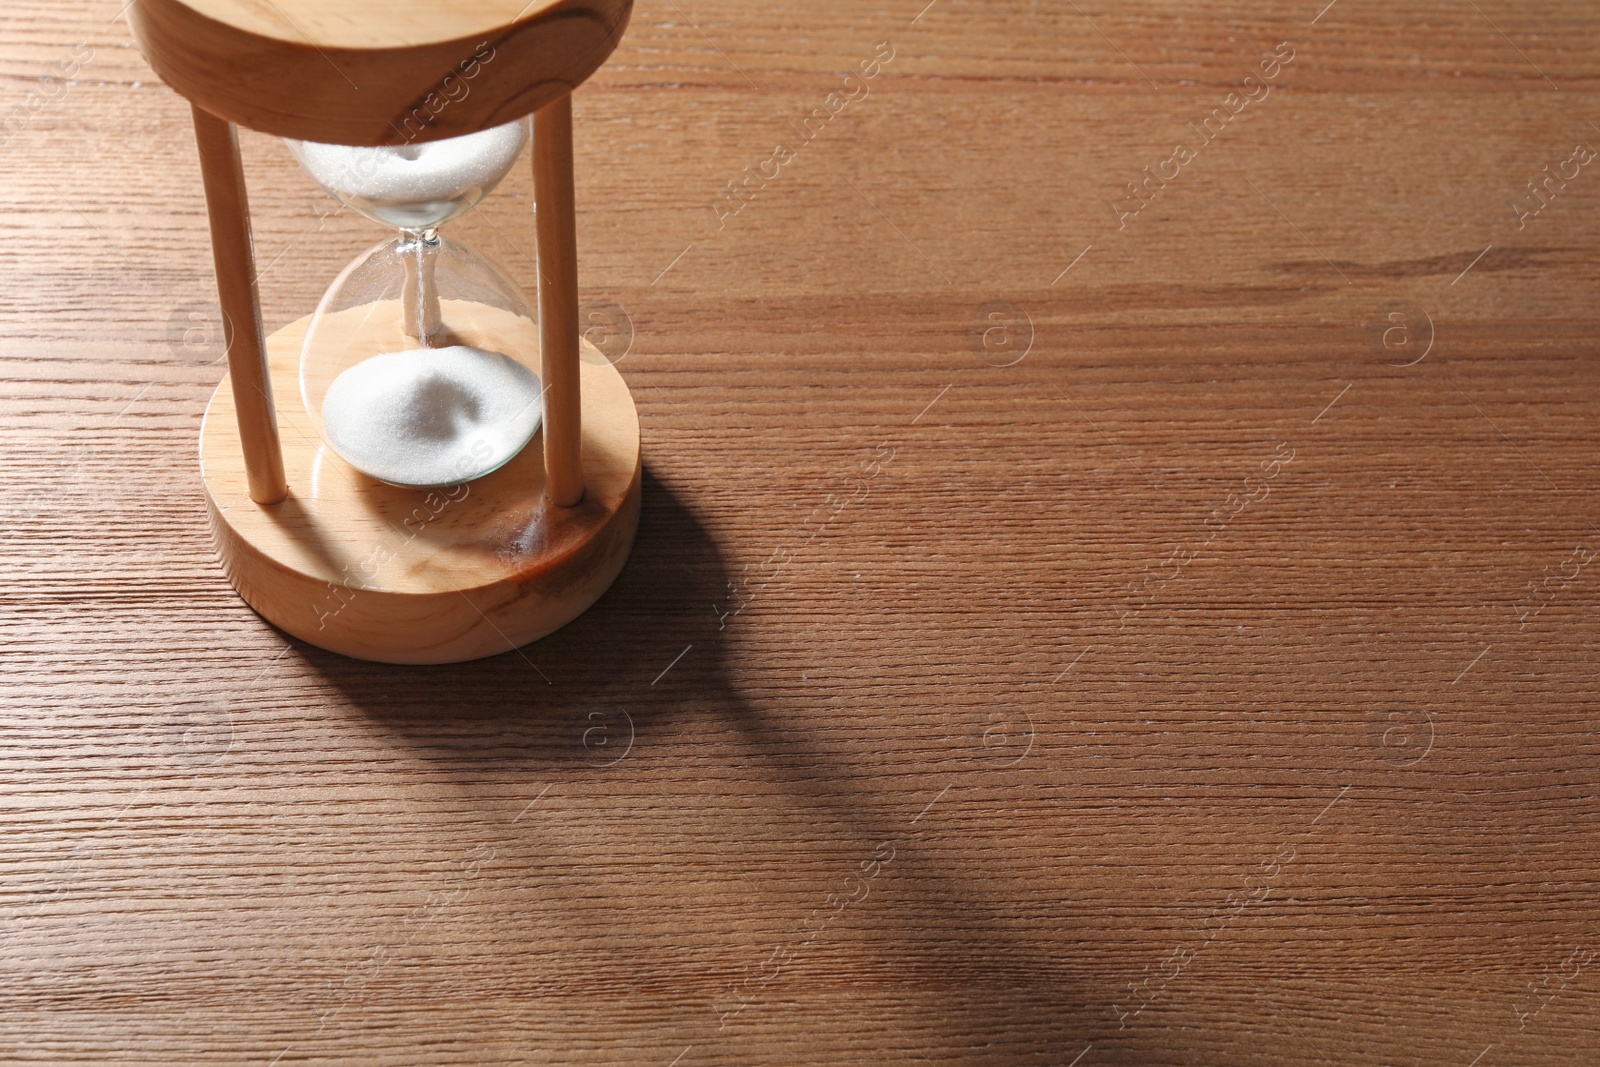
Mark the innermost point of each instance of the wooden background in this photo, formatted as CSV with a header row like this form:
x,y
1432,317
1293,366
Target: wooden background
x,y
1153,663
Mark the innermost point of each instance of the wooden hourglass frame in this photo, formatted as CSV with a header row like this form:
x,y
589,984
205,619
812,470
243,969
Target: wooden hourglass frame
x,y
328,554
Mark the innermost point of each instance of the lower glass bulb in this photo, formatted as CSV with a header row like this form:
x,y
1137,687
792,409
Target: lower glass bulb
x,y
419,365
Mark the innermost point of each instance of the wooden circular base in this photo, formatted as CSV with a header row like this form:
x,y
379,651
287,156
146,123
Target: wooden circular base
x,y
421,576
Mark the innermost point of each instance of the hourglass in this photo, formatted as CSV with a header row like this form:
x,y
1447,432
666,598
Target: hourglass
x,y
420,365
461,473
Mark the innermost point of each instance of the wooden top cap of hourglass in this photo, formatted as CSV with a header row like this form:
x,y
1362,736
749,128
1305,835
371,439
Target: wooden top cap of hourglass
x,y
371,72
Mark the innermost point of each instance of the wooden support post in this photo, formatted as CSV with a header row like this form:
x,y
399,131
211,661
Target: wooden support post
x,y
555,215
234,257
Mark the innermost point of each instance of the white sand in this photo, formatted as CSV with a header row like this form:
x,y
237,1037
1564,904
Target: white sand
x,y
432,416
415,186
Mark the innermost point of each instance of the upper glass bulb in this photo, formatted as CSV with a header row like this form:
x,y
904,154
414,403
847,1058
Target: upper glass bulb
x,y
415,186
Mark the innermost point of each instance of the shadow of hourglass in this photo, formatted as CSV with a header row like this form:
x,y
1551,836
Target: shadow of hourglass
x,y
647,699
583,696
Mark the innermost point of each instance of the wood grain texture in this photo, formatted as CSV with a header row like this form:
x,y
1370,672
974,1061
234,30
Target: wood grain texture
x,y
371,72
1315,786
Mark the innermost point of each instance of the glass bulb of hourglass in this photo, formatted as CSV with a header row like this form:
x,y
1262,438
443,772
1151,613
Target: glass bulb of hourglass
x,y
419,366
415,186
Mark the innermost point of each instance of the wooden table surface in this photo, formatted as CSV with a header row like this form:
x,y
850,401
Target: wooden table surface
x,y
1067,627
